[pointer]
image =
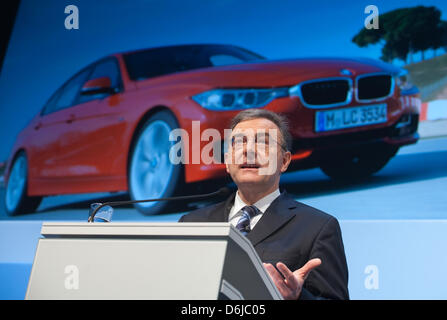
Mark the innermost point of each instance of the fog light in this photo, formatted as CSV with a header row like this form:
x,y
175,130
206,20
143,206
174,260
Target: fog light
x,y
406,125
404,121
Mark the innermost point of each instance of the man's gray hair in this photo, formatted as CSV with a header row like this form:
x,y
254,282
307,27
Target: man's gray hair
x,y
279,120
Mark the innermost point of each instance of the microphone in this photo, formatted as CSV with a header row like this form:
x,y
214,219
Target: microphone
x,y
220,192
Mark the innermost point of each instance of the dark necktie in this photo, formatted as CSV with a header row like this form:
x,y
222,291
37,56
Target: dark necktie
x,y
248,212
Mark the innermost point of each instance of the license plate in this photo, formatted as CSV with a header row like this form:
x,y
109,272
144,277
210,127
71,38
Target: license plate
x,y
350,117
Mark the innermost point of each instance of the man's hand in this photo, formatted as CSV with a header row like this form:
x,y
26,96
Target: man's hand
x,y
290,283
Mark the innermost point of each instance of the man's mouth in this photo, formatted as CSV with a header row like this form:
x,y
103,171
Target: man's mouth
x,y
249,166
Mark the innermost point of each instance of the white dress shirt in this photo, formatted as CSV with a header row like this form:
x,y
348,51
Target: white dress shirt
x,y
262,204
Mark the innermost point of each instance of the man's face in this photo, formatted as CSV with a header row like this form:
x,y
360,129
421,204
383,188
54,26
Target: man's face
x,y
255,155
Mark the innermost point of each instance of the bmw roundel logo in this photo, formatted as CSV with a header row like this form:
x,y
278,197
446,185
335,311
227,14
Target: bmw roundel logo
x,y
345,72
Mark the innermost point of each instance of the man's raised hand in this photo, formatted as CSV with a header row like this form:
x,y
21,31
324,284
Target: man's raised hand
x,y
290,283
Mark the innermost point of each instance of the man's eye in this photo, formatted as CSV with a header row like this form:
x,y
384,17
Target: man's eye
x,y
238,141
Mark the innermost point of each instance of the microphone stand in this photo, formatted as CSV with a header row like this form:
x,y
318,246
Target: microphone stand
x,y
221,191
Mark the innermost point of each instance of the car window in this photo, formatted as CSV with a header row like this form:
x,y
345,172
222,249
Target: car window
x,y
70,91
107,68
223,59
161,61
50,105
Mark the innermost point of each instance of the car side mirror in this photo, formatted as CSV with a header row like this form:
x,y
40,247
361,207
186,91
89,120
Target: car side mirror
x,y
98,86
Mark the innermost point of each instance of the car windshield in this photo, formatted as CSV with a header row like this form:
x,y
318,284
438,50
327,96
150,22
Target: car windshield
x,y
165,60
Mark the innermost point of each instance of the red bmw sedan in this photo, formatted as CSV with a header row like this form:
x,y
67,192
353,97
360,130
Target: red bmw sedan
x,y
108,128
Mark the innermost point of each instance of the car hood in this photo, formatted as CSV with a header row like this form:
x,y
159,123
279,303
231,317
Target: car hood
x,y
272,73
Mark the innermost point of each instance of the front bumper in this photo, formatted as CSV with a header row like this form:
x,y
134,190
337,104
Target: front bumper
x,y
402,132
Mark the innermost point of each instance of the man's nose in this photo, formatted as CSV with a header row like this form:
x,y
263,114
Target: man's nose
x,y
250,145
250,151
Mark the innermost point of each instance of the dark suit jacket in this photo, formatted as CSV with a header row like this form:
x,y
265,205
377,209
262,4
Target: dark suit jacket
x,y
293,233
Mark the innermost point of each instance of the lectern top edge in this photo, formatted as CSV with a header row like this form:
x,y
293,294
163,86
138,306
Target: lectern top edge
x,y
208,229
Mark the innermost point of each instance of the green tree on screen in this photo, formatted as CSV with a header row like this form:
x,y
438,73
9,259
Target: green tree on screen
x,y
404,31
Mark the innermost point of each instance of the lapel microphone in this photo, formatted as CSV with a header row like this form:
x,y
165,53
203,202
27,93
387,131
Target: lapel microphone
x,y
221,192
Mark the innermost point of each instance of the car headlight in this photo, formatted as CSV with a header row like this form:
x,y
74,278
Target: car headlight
x,y
403,80
233,99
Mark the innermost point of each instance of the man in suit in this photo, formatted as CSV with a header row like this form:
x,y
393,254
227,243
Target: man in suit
x,y
301,247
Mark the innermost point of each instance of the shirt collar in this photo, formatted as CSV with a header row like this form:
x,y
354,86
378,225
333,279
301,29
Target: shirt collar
x,y
262,204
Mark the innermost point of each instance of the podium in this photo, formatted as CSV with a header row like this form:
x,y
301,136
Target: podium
x,y
175,261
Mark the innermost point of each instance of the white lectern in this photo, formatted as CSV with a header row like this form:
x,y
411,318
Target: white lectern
x,y
147,261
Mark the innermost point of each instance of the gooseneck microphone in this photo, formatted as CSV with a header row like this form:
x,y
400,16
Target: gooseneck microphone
x,y
220,192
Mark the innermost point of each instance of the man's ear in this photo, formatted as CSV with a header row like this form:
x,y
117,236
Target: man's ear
x,y
287,158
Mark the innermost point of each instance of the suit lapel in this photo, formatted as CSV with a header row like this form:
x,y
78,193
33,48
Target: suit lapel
x,y
277,214
221,213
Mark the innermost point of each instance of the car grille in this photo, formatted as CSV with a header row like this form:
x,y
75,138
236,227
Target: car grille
x,y
325,92
374,87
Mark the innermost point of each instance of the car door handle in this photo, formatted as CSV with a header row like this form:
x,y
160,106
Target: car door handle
x,y
70,118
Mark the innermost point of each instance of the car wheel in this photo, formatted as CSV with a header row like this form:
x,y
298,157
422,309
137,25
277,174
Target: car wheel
x,y
16,196
151,174
358,164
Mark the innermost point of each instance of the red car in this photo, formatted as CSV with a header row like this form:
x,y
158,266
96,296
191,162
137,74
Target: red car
x,y
107,128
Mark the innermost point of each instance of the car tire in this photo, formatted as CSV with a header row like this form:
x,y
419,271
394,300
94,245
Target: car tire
x,y
358,164
151,174
17,200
